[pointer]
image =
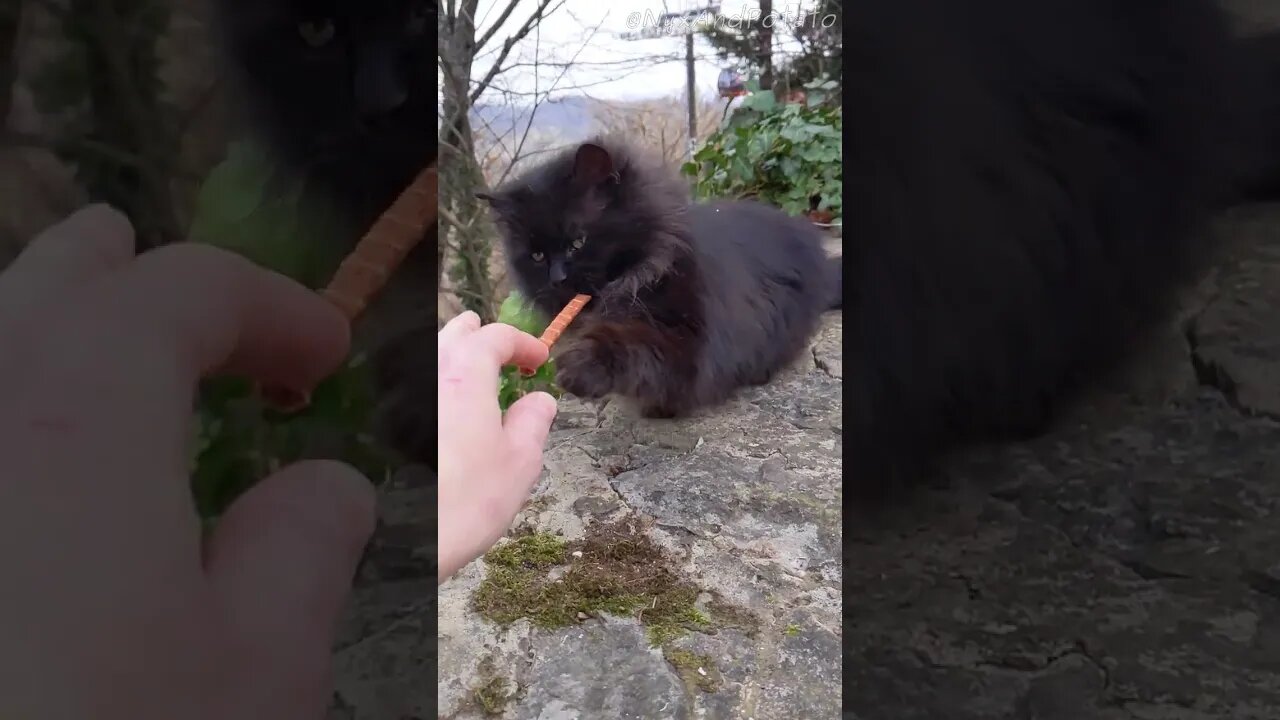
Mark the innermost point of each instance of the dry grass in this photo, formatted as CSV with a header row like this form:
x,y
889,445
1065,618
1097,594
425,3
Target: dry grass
x,y
660,126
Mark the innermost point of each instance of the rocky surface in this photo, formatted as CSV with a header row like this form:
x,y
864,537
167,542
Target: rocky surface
x,y
743,505
744,500
1126,566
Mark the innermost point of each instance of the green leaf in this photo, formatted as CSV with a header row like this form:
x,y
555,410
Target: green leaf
x,y
247,206
517,312
789,156
512,386
761,101
233,189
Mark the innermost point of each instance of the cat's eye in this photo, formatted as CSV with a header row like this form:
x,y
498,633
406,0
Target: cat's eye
x,y
316,32
417,18
579,241
538,257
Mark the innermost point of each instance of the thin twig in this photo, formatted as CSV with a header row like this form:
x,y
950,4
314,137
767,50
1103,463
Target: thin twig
x,y
510,43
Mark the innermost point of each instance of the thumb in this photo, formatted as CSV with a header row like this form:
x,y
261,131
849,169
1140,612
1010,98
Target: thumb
x,y
282,560
527,424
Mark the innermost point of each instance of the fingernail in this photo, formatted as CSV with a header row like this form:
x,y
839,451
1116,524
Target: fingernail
x,y
283,399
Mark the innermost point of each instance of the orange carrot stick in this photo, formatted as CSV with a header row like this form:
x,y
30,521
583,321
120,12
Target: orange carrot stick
x,y
379,253
365,271
559,323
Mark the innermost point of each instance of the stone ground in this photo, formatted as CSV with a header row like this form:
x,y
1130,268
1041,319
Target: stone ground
x,y
1126,566
747,502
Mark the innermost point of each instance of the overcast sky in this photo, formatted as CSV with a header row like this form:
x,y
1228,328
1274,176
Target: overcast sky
x,y
586,34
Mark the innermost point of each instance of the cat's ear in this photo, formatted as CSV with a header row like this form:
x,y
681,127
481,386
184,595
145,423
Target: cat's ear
x,y
500,206
592,164
495,202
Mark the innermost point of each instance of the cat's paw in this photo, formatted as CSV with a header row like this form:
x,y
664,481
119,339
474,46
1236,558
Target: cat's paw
x,y
581,374
659,412
403,421
405,417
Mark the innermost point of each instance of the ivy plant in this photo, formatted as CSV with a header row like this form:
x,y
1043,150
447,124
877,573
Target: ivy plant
x,y
247,207
516,311
787,155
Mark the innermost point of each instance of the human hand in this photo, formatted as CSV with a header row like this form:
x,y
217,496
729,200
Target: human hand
x,y
115,606
487,463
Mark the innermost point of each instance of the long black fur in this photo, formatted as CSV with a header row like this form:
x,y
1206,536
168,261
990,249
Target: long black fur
x,y
343,93
1026,186
690,301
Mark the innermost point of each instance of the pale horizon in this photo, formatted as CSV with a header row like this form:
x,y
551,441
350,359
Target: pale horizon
x,y
579,51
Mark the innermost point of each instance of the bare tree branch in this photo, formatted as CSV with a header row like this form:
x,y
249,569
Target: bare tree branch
x,y
81,145
510,43
520,145
506,13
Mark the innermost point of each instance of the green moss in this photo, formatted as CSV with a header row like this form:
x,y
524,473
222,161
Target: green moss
x,y
674,614
492,696
535,550
729,616
492,693
792,630
695,670
615,568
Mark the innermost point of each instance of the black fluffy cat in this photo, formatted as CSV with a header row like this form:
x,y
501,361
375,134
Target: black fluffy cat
x,y
344,92
690,301
1026,183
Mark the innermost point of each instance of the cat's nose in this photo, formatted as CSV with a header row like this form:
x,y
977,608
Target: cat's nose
x,y
378,87
378,98
557,274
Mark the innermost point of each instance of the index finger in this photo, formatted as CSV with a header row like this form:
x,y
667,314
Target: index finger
x,y
506,345
84,422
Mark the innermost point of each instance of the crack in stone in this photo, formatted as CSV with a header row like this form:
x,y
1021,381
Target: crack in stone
x,y
629,466
621,500
404,615
804,429
1079,649
820,364
680,530
571,438
1209,374
1150,572
1139,568
1083,650
1212,375
1262,583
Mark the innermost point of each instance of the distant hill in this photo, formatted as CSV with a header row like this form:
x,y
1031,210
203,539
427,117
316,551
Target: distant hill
x,y
573,118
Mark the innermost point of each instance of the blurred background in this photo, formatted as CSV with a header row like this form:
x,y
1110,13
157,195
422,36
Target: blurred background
x,y
118,100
